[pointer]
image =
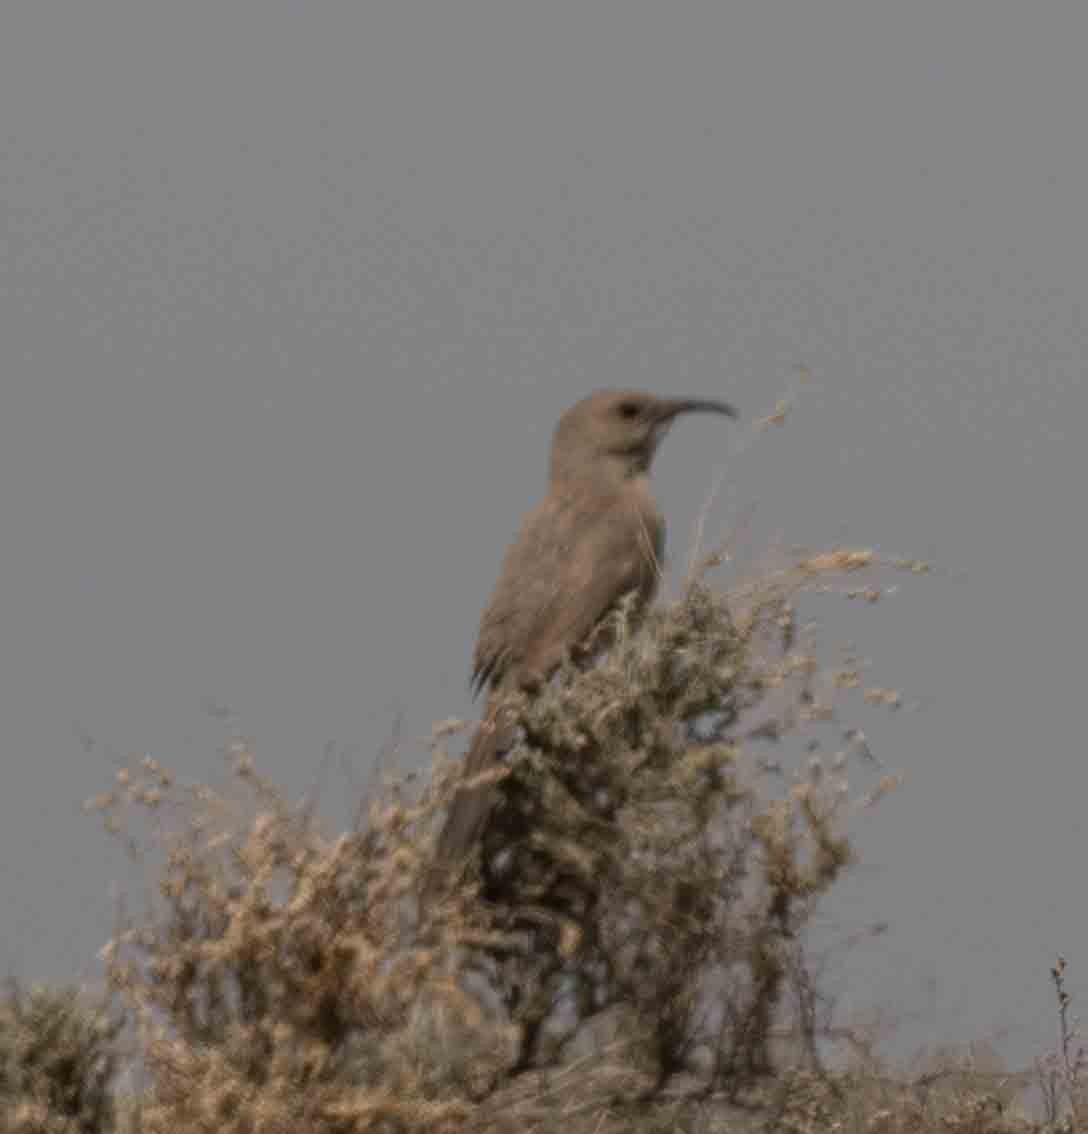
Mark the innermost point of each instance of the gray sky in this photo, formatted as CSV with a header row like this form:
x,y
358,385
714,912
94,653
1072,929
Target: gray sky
x,y
291,295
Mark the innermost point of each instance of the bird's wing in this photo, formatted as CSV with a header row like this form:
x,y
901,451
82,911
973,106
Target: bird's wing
x,y
569,566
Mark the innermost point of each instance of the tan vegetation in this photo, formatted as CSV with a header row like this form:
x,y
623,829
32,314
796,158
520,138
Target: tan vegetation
x,y
627,950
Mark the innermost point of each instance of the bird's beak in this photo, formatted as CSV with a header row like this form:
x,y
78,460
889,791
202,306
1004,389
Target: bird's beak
x,y
670,408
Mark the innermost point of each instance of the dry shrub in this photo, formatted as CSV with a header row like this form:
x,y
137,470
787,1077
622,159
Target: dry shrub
x,y
278,982
1062,1074
635,918
647,856
57,1061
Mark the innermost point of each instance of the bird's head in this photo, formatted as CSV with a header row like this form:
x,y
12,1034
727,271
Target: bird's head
x,y
619,430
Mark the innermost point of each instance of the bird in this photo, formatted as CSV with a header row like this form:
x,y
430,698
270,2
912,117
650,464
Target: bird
x,y
594,539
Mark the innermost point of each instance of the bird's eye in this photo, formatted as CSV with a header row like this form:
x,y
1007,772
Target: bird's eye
x,y
629,410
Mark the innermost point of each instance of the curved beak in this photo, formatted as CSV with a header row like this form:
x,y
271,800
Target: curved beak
x,y
672,407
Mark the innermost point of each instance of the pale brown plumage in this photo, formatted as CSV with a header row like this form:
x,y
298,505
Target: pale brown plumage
x,y
596,537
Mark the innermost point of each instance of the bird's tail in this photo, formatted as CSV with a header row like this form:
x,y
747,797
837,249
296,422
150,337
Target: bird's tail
x,y
471,806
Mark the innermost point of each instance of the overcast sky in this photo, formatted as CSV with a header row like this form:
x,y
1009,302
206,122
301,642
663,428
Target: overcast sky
x,y
291,295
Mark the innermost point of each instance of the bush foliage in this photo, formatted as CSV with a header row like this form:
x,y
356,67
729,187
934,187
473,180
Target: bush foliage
x,y
627,949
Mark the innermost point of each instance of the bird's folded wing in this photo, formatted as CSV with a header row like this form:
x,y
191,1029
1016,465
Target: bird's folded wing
x,y
570,565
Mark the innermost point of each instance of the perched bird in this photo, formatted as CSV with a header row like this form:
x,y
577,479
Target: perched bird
x,y
596,537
